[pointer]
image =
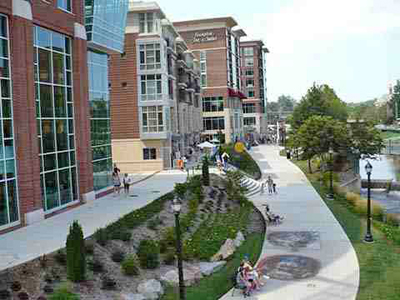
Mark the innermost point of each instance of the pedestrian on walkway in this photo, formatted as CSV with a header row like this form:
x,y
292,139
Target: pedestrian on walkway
x,y
262,188
127,183
225,158
274,188
270,182
116,169
116,182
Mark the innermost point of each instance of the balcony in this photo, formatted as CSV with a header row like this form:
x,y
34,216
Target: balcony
x,y
190,86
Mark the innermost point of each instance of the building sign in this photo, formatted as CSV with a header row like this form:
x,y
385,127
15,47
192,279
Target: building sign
x,y
204,37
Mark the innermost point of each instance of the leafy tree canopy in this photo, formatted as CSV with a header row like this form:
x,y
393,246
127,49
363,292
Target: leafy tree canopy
x,y
320,100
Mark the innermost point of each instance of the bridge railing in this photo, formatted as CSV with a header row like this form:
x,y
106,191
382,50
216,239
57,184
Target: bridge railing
x,y
391,147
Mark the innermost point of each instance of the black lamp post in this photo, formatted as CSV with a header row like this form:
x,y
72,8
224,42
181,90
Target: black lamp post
x,y
330,194
176,207
368,236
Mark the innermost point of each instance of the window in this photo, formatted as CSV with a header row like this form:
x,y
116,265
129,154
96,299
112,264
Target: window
x,y
64,4
249,108
250,93
9,210
249,121
248,62
152,119
249,73
203,68
211,104
146,23
214,123
150,56
249,82
55,117
149,153
248,51
151,87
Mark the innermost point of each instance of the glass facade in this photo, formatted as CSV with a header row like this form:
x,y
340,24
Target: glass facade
x,y
105,22
55,118
100,119
9,212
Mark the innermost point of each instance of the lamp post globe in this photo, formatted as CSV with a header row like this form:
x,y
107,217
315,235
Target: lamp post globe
x,y
368,236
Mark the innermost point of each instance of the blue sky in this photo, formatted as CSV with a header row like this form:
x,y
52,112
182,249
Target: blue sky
x,y
352,45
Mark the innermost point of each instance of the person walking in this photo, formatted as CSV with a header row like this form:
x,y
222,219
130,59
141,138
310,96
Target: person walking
x,y
225,158
270,182
116,169
274,188
127,182
116,182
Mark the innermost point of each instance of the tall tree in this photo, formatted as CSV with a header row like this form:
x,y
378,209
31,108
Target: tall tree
x,y
286,103
320,100
365,139
396,100
317,134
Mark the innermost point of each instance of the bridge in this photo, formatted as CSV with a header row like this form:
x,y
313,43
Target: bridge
x,y
392,147
381,184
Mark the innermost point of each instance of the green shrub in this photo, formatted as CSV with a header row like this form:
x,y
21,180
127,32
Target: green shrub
x,y
130,266
89,247
149,254
169,256
392,220
168,239
95,266
153,223
61,257
205,172
118,256
326,178
101,236
352,198
122,234
180,190
64,293
76,261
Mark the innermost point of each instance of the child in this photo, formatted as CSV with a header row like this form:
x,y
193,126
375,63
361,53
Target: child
x,y
127,182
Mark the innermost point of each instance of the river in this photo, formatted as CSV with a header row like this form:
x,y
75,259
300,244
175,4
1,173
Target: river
x,y
386,167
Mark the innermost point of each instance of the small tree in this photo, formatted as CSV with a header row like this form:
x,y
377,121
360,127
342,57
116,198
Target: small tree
x,y
205,172
76,262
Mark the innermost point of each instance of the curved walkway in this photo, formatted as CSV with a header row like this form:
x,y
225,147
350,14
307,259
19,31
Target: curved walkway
x,y
47,236
304,211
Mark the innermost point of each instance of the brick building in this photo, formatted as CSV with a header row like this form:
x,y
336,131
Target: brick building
x,y
155,91
48,105
254,84
216,45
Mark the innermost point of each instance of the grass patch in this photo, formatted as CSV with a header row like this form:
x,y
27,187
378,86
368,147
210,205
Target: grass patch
x,y
218,284
243,161
386,135
379,262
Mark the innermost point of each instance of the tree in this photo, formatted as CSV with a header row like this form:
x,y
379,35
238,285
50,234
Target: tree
x,y
365,139
396,100
286,103
76,261
317,135
205,172
320,100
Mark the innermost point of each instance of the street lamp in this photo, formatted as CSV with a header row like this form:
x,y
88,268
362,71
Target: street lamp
x,y
330,194
368,236
176,207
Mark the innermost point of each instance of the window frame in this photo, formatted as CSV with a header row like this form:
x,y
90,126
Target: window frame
x,y
157,120
151,152
146,50
144,87
65,7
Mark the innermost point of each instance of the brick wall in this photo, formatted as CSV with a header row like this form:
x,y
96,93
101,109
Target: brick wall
x,y
124,100
26,141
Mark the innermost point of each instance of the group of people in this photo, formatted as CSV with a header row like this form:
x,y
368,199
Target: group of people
x,y
126,181
271,186
247,277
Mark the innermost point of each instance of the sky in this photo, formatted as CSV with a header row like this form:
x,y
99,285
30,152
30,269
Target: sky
x,y
351,45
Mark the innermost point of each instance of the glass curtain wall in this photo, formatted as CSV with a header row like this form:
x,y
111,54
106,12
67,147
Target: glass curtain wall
x,y
9,212
100,119
105,22
55,118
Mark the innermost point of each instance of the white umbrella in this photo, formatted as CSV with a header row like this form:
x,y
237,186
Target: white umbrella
x,y
206,145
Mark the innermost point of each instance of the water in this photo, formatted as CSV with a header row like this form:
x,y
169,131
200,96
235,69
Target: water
x,y
385,167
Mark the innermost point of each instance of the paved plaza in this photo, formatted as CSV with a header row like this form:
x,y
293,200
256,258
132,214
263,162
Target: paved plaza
x,y
308,256
30,242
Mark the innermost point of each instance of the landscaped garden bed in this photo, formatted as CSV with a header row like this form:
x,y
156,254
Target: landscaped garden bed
x,y
138,251
243,161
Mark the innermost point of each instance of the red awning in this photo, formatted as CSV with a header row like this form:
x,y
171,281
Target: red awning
x,y
232,93
241,95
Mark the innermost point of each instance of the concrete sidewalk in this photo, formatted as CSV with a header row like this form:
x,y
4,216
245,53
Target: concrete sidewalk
x,y
304,211
30,242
